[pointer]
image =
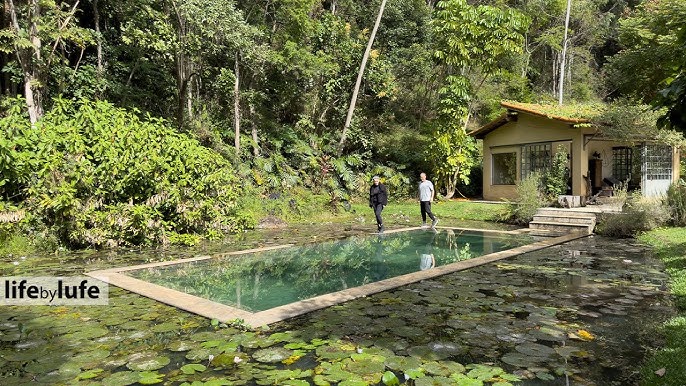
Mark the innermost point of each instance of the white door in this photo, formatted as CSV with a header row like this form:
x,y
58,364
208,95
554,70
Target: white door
x,y
656,169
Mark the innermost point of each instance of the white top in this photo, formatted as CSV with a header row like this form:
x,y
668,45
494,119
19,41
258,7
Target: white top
x,y
426,261
425,189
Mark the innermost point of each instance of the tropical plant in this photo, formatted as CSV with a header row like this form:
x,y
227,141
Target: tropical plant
x,y
98,175
676,201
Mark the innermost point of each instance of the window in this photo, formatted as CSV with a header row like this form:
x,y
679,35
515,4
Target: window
x,y
536,158
658,162
504,168
621,163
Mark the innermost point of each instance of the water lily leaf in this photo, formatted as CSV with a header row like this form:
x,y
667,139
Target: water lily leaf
x,y
535,349
334,372
272,355
483,372
520,360
166,327
122,378
437,381
372,367
90,356
444,368
295,382
334,351
227,360
147,361
425,352
278,337
89,374
135,325
390,379
180,345
545,376
352,382
205,336
192,368
201,354
150,377
400,363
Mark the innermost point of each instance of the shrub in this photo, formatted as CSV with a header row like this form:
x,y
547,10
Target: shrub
x,y
98,175
676,201
554,180
530,198
639,214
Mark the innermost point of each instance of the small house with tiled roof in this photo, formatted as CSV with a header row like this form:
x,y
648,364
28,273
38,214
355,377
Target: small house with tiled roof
x,y
527,136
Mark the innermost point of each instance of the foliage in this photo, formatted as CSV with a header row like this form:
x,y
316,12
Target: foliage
x,y
629,120
467,38
555,180
639,214
98,175
651,65
530,198
668,244
676,202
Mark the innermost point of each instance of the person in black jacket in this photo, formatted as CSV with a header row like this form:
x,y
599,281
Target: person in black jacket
x,y
378,198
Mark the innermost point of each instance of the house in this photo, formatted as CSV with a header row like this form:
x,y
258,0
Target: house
x,y
527,136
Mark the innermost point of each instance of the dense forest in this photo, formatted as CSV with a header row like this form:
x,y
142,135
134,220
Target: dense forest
x,y
141,121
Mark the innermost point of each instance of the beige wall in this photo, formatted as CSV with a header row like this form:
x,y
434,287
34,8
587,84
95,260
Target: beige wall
x,y
529,129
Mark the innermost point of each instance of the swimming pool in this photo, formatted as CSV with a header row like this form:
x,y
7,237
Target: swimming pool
x,y
270,284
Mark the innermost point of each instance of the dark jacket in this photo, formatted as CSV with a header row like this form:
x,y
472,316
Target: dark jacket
x,y
378,196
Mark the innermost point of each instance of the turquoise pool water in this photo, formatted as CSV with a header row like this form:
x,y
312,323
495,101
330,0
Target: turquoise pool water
x,y
263,280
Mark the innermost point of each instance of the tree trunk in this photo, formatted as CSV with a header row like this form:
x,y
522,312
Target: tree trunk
x,y
256,144
98,36
356,90
30,61
237,107
564,53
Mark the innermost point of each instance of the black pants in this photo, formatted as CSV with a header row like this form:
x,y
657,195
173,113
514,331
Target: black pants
x,y
425,207
377,212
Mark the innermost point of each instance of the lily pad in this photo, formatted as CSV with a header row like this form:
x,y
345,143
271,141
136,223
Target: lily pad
x,y
181,345
147,361
193,368
443,368
535,349
90,356
121,378
335,351
401,363
272,355
520,360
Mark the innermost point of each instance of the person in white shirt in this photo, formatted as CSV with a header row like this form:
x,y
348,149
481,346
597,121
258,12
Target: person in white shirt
x,y
426,196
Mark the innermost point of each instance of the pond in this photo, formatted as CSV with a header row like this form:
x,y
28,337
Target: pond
x,y
264,279
582,313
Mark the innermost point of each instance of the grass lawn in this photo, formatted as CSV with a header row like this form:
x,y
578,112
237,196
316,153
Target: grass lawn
x,y
667,367
406,212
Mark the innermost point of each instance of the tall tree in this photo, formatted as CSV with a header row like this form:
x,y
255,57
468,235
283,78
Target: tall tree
x,y
469,39
360,72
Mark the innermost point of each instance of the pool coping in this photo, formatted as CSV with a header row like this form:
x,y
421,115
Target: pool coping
x,y
225,313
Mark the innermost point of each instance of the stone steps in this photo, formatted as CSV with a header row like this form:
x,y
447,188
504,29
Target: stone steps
x,y
553,222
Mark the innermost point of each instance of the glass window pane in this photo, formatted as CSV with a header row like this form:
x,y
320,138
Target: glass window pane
x,y
504,168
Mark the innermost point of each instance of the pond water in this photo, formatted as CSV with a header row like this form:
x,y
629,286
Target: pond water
x,y
262,280
581,313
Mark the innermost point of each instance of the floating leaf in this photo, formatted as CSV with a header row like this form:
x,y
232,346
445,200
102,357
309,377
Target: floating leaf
x,y
272,355
390,379
192,368
150,378
121,378
147,362
89,374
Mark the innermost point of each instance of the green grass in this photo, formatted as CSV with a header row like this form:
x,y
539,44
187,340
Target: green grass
x,y
670,247
407,212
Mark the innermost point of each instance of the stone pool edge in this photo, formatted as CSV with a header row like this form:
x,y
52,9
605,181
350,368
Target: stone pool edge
x,y
222,312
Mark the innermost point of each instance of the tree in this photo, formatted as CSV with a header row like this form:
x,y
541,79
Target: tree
x,y
469,39
360,72
35,32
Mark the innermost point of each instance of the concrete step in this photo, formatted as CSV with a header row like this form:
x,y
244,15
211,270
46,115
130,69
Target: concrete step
x,y
564,212
587,220
564,227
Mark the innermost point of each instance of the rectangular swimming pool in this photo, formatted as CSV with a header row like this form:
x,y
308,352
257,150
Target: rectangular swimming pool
x,y
269,284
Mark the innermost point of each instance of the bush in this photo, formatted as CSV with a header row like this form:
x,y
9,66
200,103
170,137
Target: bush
x,y
97,175
676,201
531,198
639,214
